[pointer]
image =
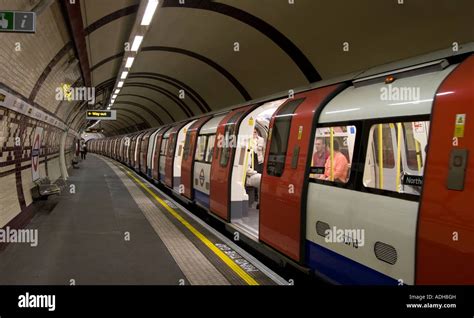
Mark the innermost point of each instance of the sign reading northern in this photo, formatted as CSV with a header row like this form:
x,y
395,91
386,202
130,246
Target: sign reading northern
x,y
101,114
17,21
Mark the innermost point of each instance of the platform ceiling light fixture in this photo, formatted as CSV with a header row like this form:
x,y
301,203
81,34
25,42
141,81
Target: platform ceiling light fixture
x,y
137,41
145,14
149,12
129,62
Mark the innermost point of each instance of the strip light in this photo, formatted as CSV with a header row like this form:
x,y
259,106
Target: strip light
x,y
149,12
137,41
120,84
124,75
129,62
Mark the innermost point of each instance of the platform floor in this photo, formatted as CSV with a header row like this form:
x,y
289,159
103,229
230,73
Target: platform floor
x,y
118,229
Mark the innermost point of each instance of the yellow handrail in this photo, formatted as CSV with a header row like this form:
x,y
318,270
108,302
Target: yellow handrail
x,y
418,154
380,142
331,131
246,163
399,155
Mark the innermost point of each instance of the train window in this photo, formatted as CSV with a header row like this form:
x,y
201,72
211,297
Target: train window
x,y
332,153
171,145
201,148
164,145
279,134
187,145
411,132
407,142
229,136
210,148
384,131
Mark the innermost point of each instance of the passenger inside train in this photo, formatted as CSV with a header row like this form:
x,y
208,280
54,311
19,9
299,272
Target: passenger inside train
x,y
333,147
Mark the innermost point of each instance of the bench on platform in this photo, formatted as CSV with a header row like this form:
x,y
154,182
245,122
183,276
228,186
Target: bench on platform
x,y
44,188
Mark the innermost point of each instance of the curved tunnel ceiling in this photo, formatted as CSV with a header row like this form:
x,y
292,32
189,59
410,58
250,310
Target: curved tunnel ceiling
x,y
193,47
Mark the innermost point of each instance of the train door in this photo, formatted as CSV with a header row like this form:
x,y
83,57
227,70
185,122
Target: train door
x,y
157,153
127,144
136,153
163,154
123,149
114,147
150,152
144,150
221,167
131,150
187,163
445,246
248,166
178,156
170,154
203,159
281,221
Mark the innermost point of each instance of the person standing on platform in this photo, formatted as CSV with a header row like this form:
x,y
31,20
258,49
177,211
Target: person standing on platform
x,y
83,150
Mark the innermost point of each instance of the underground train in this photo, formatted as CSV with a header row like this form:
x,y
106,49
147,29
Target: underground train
x,y
361,180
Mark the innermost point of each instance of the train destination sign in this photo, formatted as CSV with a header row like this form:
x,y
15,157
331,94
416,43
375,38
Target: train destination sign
x,y
101,114
17,21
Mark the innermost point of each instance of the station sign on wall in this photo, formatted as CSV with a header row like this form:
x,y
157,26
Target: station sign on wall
x,y
17,21
101,114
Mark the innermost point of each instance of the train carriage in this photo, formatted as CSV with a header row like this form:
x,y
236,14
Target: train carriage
x,y
365,180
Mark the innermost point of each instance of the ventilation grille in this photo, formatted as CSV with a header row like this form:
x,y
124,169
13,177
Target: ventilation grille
x,y
386,253
321,228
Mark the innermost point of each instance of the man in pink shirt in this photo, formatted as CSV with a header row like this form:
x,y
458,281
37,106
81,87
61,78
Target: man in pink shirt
x,y
321,154
341,166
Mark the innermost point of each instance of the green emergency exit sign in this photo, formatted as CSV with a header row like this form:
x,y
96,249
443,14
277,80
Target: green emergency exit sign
x,y
17,21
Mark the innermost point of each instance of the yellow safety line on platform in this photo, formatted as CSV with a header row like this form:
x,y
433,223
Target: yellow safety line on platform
x,y
226,259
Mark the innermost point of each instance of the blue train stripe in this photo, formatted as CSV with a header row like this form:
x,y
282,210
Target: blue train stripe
x,y
202,198
342,270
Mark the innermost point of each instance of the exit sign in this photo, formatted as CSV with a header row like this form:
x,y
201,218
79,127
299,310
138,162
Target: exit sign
x,y
17,21
101,114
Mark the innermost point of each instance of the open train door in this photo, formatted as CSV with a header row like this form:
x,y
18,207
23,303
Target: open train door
x,y
286,167
445,246
221,166
156,154
170,153
187,165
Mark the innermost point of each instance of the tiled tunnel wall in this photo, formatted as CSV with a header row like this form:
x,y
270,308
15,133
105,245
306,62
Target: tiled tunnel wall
x,y
16,179
30,71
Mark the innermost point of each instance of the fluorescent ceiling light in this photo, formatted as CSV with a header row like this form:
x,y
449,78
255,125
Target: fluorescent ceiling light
x,y
129,62
108,108
149,12
124,75
136,42
114,96
120,84
117,91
